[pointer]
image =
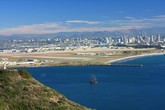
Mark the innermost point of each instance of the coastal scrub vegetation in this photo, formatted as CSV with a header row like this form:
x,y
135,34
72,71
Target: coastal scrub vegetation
x,y
19,91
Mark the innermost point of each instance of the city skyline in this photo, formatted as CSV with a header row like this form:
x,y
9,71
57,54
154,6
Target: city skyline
x,y
53,16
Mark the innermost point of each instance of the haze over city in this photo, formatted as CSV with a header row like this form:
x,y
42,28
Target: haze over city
x,y
53,16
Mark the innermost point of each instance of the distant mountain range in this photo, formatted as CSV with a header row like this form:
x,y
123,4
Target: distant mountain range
x,y
133,32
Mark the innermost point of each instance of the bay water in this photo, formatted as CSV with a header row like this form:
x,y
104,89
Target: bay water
x,y
118,87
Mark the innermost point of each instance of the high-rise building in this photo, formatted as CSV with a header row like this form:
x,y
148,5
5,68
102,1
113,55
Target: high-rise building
x,y
158,38
110,40
125,39
131,40
152,39
147,39
107,40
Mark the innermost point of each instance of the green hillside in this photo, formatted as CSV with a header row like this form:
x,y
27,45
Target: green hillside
x,y
19,91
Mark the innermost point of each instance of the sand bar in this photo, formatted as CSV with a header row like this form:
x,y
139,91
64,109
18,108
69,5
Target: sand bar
x,y
135,56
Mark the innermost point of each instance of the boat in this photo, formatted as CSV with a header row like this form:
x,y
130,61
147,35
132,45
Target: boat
x,y
93,80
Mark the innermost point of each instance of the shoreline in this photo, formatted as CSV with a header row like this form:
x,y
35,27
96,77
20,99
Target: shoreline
x,y
106,64
134,56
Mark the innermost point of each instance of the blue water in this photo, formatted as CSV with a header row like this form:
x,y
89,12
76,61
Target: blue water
x,y
118,88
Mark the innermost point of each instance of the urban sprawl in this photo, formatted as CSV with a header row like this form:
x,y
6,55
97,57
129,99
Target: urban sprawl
x,y
58,44
35,47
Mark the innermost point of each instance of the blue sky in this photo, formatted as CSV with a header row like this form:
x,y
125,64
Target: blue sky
x,y
52,16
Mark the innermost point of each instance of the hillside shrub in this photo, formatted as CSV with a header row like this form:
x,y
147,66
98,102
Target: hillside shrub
x,y
24,74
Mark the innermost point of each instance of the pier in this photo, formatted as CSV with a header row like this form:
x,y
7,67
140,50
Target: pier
x,y
127,65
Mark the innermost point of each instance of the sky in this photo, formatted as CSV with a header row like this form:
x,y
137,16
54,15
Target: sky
x,y
53,16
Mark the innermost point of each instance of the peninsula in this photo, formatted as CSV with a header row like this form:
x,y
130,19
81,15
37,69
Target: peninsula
x,y
92,56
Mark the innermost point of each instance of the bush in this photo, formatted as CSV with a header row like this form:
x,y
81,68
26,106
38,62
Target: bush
x,y
3,105
24,74
8,73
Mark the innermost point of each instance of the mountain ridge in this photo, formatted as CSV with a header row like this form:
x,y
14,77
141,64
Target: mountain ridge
x,y
132,32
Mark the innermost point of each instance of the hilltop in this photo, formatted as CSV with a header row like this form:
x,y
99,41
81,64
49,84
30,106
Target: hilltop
x,y
20,91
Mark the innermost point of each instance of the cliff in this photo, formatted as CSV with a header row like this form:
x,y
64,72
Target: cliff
x,y
19,91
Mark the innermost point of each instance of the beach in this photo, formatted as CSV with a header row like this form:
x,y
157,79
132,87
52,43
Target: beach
x,y
134,56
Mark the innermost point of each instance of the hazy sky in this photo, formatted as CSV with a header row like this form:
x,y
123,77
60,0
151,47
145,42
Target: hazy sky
x,y
51,16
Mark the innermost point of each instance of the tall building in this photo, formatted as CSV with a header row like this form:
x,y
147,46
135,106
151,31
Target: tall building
x,y
110,40
125,39
152,39
146,39
107,40
158,38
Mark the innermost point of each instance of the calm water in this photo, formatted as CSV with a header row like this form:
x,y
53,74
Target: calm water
x,y
118,88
